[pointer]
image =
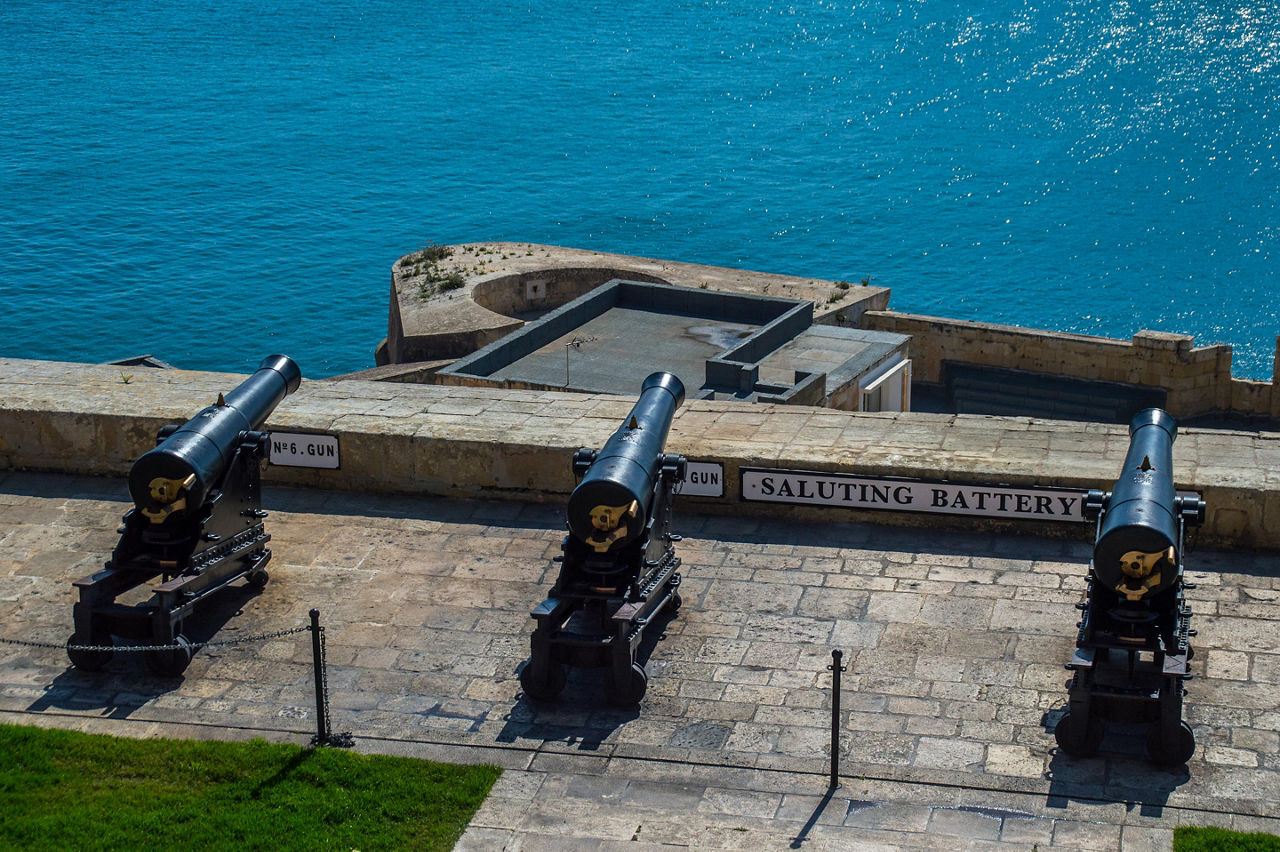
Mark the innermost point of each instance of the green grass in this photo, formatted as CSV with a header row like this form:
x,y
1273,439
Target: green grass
x,y
452,281
433,253
67,790
1189,838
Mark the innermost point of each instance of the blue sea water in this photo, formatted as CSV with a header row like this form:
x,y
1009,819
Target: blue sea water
x,y
211,182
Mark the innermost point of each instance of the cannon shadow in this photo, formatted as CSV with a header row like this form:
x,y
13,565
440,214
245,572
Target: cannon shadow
x,y
580,717
1119,773
125,684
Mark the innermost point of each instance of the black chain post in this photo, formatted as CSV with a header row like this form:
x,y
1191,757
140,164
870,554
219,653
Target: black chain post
x,y
835,668
324,737
322,723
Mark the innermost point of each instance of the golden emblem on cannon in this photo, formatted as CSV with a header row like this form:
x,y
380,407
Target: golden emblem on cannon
x,y
1141,572
610,524
164,495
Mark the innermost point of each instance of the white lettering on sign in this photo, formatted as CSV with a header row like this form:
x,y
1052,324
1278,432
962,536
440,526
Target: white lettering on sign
x,y
298,450
702,479
949,498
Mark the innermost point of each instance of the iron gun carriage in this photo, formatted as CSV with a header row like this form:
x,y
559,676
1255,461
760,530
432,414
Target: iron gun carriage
x,y
196,523
618,562
1133,648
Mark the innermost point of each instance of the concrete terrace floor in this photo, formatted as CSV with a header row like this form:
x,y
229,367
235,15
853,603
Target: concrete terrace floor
x,y
954,643
587,356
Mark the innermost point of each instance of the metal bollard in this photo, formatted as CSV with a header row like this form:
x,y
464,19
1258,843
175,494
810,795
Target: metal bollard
x,y
835,668
322,724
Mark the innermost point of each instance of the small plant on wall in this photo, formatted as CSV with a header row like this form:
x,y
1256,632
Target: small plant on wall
x,y
425,265
433,253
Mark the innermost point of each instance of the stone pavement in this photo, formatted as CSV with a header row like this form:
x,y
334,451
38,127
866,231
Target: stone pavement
x,y
954,643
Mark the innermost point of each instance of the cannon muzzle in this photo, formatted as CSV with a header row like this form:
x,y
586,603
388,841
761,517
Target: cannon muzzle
x,y
1136,551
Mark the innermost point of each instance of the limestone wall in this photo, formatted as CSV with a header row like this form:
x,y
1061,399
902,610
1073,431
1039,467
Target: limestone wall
x,y
513,444
1198,379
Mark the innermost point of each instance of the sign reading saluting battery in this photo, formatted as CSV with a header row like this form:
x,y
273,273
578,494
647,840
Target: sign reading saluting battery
x,y
299,450
909,495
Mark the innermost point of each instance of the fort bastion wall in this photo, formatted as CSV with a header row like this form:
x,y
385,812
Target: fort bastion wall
x,y
1197,378
499,284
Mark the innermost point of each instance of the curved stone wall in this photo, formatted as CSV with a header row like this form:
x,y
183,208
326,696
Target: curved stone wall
x,y
544,290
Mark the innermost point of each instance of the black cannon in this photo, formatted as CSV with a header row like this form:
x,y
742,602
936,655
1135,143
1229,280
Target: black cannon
x,y
1133,648
618,565
196,525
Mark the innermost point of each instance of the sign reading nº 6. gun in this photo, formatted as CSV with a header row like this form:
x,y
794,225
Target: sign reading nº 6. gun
x,y
302,450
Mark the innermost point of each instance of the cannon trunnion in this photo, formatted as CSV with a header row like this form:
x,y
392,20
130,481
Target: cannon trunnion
x,y
196,525
1133,648
618,567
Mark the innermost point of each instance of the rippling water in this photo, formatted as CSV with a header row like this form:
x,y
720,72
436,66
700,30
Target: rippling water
x,y
212,182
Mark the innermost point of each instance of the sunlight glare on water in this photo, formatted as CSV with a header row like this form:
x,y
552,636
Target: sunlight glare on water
x,y
213,183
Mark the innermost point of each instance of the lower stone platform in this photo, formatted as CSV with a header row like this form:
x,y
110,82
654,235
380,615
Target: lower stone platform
x,y
954,642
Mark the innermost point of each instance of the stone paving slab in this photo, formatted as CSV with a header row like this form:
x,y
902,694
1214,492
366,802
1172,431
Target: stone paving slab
x,y
954,644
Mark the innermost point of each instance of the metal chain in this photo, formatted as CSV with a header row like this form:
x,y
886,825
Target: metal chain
x,y
170,647
324,677
344,739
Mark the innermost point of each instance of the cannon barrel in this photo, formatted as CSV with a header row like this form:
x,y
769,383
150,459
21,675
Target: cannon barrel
x,y
615,493
181,470
1138,532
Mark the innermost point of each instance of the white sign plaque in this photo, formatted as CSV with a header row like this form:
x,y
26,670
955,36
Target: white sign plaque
x,y
949,498
295,449
702,479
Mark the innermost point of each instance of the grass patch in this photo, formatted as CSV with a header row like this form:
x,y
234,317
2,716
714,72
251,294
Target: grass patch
x,y
433,253
67,790
425,264
1190,838
452,281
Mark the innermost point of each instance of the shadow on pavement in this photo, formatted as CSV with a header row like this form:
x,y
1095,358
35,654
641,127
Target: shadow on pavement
x,y
1119,772
581,716
125,683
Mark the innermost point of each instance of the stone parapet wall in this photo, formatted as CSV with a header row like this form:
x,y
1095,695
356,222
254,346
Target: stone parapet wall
x,y
517,444
1198,379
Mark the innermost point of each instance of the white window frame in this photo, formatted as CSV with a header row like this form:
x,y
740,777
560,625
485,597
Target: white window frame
x,y
895,378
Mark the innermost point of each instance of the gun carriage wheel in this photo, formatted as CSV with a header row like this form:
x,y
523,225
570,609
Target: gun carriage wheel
x,y
545,685
86,660
1172,750
171,661
627,690
258,577
1077,739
